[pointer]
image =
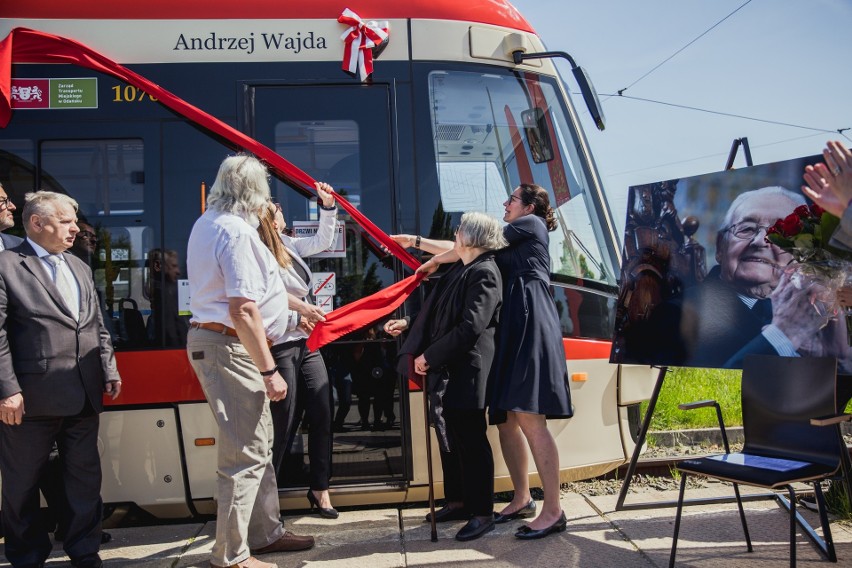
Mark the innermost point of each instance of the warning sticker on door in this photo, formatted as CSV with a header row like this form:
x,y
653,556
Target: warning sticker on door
x,y
324,283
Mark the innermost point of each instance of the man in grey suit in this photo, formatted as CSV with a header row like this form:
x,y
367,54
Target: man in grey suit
x,y
7,221
56,361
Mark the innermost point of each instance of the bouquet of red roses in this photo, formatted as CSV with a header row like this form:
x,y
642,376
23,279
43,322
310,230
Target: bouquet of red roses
x,y
805,233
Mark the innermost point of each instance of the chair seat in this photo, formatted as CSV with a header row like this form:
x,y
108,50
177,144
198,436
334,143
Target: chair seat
x,y
760,471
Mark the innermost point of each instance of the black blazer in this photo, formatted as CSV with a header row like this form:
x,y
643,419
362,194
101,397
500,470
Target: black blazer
x,y
455,330
55,361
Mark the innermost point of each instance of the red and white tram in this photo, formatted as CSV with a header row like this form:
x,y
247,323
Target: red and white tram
x,y
447,123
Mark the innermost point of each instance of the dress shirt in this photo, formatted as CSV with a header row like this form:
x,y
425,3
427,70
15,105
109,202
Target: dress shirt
x,y
226,259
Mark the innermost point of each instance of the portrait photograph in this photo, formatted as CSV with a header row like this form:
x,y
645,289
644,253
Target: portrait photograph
x,y
703,286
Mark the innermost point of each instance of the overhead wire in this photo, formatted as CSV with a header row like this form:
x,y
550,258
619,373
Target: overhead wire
x,y
670,57
732,115
678,162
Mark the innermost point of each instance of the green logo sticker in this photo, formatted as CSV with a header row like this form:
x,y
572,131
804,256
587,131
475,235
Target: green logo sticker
x,y
74,93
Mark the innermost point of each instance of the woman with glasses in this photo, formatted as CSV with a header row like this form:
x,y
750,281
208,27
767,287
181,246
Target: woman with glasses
x,y
309,391
529,379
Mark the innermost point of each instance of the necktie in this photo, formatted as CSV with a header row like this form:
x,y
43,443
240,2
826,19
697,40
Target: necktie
x,y
763,310
64,283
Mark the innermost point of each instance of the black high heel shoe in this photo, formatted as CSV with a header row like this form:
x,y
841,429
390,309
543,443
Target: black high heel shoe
x,y
325,513
526,533
527,510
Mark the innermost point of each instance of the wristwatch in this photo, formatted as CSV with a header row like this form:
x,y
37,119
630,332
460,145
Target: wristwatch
x,y
417,242
269,373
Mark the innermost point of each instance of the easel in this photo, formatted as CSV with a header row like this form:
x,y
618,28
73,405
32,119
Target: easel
x,y
652,403
729,165
846,463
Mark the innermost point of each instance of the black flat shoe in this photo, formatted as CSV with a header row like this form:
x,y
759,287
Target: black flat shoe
x,y
527,510
474,529
325,513
446,513
526,533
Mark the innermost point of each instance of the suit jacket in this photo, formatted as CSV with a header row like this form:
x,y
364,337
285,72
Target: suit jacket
x,y
455,330
709,326
10,241
55,361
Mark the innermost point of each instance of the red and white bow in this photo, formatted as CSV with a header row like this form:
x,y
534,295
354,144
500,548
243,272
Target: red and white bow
x,y
360,39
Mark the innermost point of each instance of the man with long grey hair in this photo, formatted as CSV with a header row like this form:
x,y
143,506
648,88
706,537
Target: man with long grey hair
x,y
239,308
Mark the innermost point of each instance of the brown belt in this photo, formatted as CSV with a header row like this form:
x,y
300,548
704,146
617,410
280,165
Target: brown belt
x,y
219,328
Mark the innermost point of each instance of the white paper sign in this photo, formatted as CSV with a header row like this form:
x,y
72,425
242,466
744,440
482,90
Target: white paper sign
x,y
324,284
183,297
305,229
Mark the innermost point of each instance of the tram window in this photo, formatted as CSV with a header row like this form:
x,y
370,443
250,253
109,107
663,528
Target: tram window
x,y
492,132
331,151
106,177
327,149
17,174
118,266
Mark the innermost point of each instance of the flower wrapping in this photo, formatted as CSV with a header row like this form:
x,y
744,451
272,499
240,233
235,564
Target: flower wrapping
x,y
821,268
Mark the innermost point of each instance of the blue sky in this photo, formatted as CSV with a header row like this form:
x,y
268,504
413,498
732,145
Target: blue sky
x,y
777,60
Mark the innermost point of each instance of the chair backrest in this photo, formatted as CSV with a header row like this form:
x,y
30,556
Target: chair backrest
x,y
131,324
779,397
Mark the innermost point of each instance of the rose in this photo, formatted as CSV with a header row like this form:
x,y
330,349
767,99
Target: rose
x,y
802,212
791,225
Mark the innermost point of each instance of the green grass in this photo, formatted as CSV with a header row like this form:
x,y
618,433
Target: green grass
x,y
689,385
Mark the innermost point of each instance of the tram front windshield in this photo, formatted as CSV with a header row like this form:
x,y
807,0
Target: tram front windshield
x,y
491,133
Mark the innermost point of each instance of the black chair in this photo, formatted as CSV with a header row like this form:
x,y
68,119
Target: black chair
x,y
131,324
792,434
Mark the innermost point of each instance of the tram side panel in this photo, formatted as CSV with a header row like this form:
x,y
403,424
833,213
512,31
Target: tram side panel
x,y
141,460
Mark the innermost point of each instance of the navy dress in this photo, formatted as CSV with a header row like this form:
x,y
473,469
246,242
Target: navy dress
x,y
529,373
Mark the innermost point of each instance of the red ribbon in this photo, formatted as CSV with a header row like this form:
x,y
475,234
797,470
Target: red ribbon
x,y
23,45
360,39
359,313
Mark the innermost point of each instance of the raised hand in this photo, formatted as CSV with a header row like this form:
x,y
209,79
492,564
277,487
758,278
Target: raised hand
x,y
829,184
325,193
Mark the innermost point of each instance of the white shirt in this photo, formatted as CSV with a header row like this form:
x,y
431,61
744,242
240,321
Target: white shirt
x,y
48,268
300,248
227,259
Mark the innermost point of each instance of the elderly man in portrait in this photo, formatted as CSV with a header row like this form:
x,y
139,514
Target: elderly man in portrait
x,y
751,302
56,361
239,308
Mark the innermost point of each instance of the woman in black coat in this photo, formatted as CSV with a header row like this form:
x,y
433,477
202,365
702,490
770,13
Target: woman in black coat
x,y
452,343
529,376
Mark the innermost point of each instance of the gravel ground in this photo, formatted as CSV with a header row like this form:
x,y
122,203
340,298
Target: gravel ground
x,y
595,487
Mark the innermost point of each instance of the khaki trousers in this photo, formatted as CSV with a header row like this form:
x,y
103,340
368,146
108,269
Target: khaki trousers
x,y
248,515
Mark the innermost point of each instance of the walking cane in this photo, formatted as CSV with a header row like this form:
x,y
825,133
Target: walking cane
x,y
429,459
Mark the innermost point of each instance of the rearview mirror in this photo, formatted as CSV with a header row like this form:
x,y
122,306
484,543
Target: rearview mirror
x,y
538,135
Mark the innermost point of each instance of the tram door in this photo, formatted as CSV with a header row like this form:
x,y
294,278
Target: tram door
x,y
342,135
